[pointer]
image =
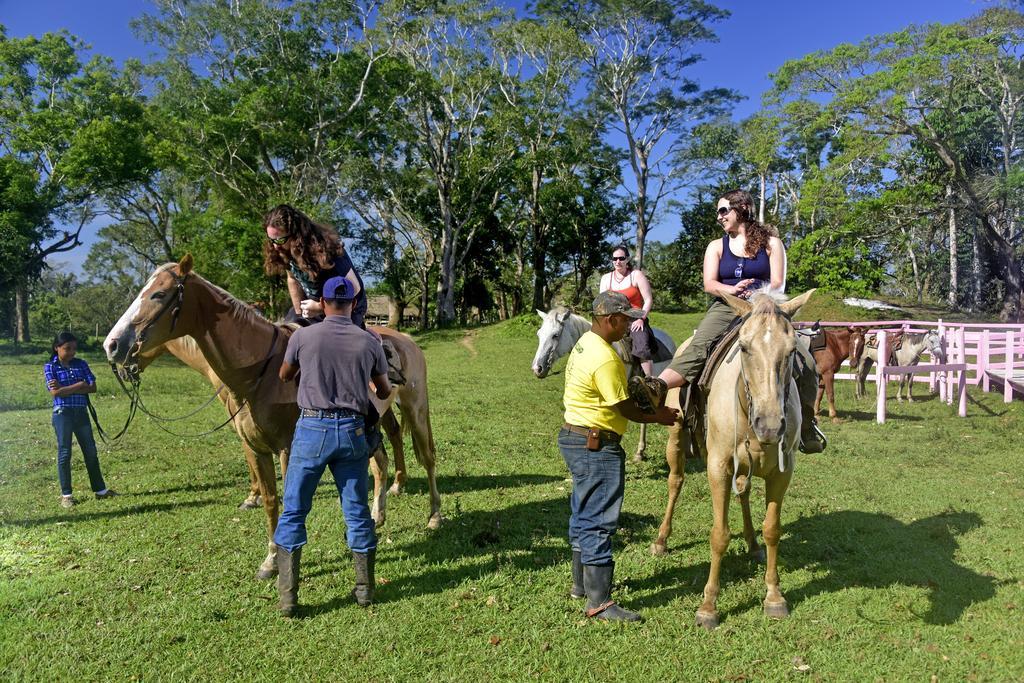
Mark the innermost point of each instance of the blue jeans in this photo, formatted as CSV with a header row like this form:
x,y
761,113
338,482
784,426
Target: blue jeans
x,y
598,485
68,421
319,443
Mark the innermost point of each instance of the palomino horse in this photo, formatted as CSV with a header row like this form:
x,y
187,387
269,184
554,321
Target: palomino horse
x,y
839,345
909,353
245,351
753,429
560,330
254,443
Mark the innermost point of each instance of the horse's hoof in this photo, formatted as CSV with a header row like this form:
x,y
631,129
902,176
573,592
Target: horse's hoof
x,y
639,458
707,620
395,490
435,521
757,555
776,610
378,523
266,574
659,549
251,503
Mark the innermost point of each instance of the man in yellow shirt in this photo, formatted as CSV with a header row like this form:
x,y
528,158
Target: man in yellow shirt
x,y
597,411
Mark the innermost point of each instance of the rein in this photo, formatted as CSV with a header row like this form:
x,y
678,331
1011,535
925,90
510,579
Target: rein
x,y
134,376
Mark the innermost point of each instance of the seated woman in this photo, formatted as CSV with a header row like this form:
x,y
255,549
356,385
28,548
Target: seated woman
x,y
633,284
750,255
310,254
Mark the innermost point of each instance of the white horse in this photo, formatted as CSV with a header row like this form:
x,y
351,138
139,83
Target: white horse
x,y
909,353
561,329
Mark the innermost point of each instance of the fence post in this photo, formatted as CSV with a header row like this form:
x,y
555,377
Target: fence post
x,y
880,370
1008,364
933,376
983,350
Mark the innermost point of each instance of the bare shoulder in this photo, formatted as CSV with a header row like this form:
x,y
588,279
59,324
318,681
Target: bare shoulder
x,y
774,243
714,248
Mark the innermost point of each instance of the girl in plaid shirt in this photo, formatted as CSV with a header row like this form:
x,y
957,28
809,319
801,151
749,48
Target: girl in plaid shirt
x,y
69,380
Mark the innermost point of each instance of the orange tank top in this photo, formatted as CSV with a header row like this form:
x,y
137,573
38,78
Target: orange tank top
x,y
632,292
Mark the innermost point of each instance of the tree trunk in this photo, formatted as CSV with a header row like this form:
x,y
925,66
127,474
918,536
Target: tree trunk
x,y
22,334
975,272
425,301
760,200
396,312
952,249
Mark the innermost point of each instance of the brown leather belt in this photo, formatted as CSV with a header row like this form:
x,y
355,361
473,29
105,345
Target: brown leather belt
x,y
585,431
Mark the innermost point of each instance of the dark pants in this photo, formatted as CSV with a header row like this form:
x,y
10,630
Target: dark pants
x,y
643,341
68,421
598,485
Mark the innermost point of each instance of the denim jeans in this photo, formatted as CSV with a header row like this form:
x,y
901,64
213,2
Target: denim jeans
x,y
68,421
598,485
319,443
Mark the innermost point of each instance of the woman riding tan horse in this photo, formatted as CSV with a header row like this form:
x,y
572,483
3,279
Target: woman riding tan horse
x,y
753,418
245,351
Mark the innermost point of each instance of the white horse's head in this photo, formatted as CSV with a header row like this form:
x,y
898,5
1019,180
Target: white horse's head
x,y
933,344
553,343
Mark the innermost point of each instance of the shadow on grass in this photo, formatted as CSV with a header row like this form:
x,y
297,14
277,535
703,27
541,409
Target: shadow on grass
x,y
854,549
447,483
76,517
189,488
526,537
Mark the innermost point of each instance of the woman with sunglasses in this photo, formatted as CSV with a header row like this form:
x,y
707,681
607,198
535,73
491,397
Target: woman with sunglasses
x,y
309,254
635,286
749,256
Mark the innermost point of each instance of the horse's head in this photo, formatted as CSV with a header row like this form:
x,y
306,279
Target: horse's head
x,y
151,319
767,343
551,344
857,341
933,344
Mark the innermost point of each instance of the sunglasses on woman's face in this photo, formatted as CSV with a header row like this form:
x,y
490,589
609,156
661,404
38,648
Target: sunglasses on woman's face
x,y
618,258
278,240
722,210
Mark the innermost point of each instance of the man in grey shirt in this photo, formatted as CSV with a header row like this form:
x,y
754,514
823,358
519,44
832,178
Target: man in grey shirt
x,y
337,360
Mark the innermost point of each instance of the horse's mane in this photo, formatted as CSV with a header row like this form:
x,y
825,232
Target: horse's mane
x,y
765,301
239,308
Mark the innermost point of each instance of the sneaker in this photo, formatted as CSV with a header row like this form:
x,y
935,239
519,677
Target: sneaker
x,y
109,493
67,502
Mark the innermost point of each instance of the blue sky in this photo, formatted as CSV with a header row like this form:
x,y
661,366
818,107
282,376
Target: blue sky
x,y
756,40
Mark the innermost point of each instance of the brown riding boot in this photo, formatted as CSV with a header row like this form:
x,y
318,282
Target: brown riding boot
x,y
288,580
364,562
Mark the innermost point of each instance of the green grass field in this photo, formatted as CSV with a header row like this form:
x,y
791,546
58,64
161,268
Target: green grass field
x,y
901,555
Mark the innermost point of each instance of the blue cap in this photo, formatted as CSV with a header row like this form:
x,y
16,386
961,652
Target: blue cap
x,y
339,289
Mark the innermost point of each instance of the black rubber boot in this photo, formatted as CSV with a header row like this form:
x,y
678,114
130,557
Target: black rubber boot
x,y
577,590
812,440
363,592
288,580
598,584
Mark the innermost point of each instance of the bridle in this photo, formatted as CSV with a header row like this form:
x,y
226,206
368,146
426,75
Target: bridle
x,y
743,384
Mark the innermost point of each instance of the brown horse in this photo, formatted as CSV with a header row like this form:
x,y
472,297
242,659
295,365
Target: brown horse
x,y
244,351
753,428
839,345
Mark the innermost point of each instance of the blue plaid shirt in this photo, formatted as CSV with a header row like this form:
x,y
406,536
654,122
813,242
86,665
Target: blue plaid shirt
x,y
66,376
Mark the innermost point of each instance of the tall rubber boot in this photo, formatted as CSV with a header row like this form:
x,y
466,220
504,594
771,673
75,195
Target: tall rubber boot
x,y
598,584
364,562
288,580
812,439
577,590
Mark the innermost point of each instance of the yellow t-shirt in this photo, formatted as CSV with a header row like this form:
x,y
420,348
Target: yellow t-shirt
x,y
595,380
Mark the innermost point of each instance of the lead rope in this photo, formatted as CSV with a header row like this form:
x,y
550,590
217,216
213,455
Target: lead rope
x,y
736,433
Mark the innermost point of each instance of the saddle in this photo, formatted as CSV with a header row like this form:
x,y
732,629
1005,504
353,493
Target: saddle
x,y
695,402
815,337
893,341
659,352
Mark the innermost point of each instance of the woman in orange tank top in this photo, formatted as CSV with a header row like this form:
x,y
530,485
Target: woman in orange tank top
x,y
633,284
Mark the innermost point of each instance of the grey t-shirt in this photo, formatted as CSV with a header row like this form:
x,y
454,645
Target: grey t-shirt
x,y
337,360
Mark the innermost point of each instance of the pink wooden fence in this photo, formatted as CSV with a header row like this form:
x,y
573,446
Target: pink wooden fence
x,y
976,354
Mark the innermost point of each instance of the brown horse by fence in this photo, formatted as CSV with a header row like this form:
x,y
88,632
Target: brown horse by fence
x,y
753,428
244,351
839,345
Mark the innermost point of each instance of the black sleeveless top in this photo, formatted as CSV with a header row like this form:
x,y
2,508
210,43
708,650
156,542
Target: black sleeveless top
x,y
732,268
314,289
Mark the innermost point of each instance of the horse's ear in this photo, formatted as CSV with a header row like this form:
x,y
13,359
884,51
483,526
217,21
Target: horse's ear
x,y
737,304
851,329
564,316
793,305
541,313
185,264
